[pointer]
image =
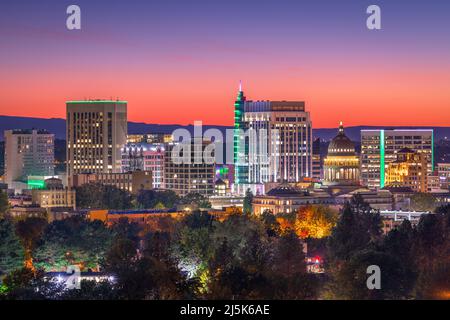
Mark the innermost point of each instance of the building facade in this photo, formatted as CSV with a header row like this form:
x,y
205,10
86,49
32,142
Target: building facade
x,y
28,153
54,195
96,131
317,160
287,199
380,147
409,170
341,166
443,171
189,176
274,142
145,157
129,181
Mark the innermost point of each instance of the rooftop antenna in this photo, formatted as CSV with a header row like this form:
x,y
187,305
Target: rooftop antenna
x,y
240,85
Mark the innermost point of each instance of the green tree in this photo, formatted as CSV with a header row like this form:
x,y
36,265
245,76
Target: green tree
x,y
125,229
197,199
4,203
248,199
350,281
431,249
12,254
99,196
30,231
354,231
154,198
26,284
73,241
271,224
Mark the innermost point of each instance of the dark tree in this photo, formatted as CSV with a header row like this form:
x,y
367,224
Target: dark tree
x,y
271,224
350,280
99,196
73,241
125,229
30,231
248,199
4,203
196,199
156,198
12,254
91,290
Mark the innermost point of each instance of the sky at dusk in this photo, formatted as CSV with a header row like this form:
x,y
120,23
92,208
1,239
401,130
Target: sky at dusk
x,y
176,61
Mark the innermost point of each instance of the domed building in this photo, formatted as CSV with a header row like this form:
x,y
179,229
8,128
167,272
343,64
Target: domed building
x,y
341,166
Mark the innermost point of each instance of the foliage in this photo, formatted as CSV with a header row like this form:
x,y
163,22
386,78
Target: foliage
x,y
73,241
350,280
197,199
157,199
91,290
27,284
30,232
4,203
99,196
315,221
12,254
248,199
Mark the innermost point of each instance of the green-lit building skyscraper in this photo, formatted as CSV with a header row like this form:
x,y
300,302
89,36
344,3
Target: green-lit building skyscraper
x,y
239,147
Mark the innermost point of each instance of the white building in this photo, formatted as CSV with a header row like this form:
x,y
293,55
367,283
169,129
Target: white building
x,y
280,150
380,147
27,153
96,131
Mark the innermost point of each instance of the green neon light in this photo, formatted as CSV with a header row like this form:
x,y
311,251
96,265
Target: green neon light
x,y
95,101
382,163
36,184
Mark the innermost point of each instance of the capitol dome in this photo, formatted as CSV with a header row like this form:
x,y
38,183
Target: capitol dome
x,y
341,166
341,145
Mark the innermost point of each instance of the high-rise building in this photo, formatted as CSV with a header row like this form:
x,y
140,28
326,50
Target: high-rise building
x,y
28,153
280,150
409,170
96,131
316,160
189,176
145,157
380,147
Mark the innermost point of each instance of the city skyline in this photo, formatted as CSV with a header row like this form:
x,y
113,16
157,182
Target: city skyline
x,y
186,58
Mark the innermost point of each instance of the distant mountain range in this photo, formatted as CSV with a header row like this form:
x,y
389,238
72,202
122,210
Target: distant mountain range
x,y
58,127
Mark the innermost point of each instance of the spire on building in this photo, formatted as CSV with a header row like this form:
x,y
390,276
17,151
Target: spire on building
x,y
341,127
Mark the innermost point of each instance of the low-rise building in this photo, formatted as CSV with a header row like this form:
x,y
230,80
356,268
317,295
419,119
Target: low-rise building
x,y
443,171
393,218
24,212
53,195
377,199
130,181
286,199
